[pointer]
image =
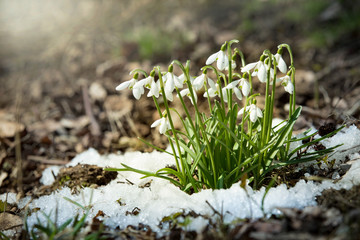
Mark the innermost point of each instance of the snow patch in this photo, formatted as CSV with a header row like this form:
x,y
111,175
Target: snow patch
x,y
118,198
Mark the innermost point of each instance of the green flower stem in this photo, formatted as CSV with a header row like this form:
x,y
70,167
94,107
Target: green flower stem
x,y
292,102
157,106
171,124
241,55
272,100
227,136
229,76
267,116
186,71
169,138
201,124
185,165
197,137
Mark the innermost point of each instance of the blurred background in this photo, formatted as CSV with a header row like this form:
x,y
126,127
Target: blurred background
x,y
60,62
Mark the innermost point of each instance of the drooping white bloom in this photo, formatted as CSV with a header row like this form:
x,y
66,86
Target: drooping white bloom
x,y
200,80
214,89
222,60
259,70
233,87
171,81
244,86
187,93
154,89
163,123
254,112
137,90
149,83
288,85
183,79
280,63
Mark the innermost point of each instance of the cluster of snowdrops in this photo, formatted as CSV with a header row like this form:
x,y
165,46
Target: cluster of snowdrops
x,y
228,144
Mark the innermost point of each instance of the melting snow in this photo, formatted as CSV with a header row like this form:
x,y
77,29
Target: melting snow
x,y
163,199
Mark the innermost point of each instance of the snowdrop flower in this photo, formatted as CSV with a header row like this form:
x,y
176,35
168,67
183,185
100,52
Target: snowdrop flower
x,y
221,58
137,90
233,87
214,89
288,85
154,89
163,123
244,86
259,70
150,84
200,80
183,79
171,81
187,93
254,111
280,63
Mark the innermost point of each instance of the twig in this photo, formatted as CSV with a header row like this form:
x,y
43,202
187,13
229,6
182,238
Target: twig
x,y
94,126
47,161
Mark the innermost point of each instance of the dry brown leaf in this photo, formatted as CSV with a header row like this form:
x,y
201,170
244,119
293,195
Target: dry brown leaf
x,y
9,221
77,123
9,129
97,91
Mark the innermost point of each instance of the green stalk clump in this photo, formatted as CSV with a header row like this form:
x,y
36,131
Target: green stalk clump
x,y
229,144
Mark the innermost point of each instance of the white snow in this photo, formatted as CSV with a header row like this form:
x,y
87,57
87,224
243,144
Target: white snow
x,y
163,199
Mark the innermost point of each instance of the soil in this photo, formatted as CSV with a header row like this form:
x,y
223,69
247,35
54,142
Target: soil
x,y
58,103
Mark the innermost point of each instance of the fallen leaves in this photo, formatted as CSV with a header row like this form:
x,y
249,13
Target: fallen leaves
x,y
8,129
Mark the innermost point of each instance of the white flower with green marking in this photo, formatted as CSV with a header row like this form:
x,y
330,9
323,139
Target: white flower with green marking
x,y
280,63
200,81
222,60
288,85
136,90
163,124
233,86
186,92
259,70
254,112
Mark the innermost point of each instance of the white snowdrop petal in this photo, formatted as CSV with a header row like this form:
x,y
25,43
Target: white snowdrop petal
x,y
232,84
245,87
177,81
259,112
223,60
156,123
137,93
199,82
163,126
211,83
123,86
253,116
281,63
238,93
248,67
262,73
169,86
154,89
224,95
289,87
212,58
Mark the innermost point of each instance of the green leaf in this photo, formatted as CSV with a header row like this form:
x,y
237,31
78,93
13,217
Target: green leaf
x,y
284,133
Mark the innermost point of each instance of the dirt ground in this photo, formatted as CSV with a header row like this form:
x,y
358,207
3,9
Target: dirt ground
x,y
58,98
